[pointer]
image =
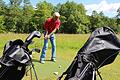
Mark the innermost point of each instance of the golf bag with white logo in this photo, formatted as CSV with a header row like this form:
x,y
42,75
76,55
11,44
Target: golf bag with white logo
x,y
16,58
101,49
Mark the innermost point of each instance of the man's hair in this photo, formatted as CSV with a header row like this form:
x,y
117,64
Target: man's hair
x,y
56,14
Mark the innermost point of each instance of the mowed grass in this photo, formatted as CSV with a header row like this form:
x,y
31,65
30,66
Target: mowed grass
x,y
67,47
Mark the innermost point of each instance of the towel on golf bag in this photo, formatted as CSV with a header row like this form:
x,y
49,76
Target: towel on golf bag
x,y
100,49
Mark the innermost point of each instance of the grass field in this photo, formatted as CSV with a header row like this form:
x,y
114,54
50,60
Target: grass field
x,y
67,48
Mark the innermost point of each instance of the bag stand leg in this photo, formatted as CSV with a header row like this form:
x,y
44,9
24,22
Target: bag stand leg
x,y
34,71
32,66
94,75
84,70
99,74
30,74
94,71
30,71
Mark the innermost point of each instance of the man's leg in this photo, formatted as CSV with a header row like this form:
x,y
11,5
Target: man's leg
x,y
53,43
44,49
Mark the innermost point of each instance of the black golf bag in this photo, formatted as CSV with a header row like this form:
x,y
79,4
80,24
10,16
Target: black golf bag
x,y
101,49
16,58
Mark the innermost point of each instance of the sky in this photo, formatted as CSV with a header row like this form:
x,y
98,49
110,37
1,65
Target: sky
x,y
108,7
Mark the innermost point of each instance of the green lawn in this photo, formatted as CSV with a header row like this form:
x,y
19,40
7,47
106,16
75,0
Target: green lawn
x,y
67,48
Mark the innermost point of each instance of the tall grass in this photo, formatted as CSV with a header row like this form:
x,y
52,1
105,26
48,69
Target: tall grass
x,y
67,48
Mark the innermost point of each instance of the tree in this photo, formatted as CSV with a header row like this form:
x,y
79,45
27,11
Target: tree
x,y
76,20
2,7
25,23
42,12
97,20
93,20
118,17
15,2
20,16
57,7
2,29
12,15
2,15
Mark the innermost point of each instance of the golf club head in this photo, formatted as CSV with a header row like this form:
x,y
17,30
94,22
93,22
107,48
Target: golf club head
x,y
32,35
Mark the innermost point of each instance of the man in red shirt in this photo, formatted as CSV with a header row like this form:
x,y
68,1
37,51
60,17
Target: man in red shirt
x,y
50,26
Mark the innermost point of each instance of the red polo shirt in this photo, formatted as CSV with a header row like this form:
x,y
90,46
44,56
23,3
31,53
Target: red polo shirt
x,y
51,24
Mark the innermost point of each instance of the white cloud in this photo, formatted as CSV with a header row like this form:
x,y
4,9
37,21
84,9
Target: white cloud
x,y
110,9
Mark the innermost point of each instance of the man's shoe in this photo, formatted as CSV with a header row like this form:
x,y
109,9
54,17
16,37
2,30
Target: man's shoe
x,y
54,60
42,62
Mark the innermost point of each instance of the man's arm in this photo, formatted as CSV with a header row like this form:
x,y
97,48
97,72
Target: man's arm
x,y
52,33
48,35
46,29
56,28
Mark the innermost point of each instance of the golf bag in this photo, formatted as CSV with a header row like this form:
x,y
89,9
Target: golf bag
x,y
101,49
16,58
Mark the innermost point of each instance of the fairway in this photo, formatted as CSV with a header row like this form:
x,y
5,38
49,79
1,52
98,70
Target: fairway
x,y
67,48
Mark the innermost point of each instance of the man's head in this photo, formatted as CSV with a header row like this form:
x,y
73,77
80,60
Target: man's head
x,y
56,15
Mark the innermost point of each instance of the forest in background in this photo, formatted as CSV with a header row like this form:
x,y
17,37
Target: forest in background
x,y
20,16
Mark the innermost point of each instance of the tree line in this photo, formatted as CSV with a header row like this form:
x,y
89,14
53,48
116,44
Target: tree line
x,y
20,16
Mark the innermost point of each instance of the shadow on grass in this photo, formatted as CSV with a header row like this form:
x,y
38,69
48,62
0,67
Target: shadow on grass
x,y
35,60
